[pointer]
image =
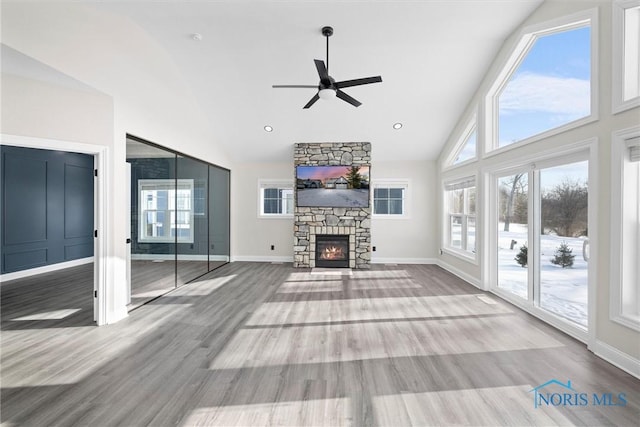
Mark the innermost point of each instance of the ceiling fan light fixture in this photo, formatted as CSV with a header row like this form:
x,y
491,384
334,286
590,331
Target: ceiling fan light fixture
x,y
327,93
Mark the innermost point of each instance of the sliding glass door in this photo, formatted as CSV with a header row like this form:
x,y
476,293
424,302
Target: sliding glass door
x,y
563,241
513,234
542,244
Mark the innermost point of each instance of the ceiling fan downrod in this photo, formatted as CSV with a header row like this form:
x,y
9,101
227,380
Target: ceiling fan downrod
x,y
327,32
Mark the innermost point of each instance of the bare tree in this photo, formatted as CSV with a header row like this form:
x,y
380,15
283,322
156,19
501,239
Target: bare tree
x,y
564,208
517,185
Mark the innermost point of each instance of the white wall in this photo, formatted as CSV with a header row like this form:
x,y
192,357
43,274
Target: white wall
x,y
414,239
411,240
616,343
253,236
152,100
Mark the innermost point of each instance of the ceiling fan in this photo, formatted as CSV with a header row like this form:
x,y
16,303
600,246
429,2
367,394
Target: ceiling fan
x,y
329,88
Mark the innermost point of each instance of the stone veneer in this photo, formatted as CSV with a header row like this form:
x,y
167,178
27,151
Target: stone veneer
x,y
310,221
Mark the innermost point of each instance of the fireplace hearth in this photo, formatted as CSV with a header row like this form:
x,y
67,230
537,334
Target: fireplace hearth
x,y
332,250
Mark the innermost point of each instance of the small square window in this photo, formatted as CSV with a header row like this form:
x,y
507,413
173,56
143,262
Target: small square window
x,y
390,199
275,199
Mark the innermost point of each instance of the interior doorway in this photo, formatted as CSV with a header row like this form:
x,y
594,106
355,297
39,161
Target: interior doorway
x,y
89,276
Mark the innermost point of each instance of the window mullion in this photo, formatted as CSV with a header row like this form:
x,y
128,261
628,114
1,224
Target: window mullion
x,y
534,232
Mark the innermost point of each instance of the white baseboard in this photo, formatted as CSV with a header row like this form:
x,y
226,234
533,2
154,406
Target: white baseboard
x,y
44,269
461,274
172,257
261,258
264,258
617,358
382,260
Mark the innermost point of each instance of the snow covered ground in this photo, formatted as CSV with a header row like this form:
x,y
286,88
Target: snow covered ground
x,y
563,290
323,197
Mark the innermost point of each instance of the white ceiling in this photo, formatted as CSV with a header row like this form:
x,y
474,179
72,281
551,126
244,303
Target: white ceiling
x,y
431,55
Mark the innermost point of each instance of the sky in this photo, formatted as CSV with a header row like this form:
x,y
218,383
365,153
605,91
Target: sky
x,y
324,172
550,88
468,150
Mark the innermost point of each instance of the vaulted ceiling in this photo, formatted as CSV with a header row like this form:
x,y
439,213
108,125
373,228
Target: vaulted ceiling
x,y
431,55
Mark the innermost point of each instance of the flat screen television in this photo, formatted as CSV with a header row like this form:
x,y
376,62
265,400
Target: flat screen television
x,y
333,186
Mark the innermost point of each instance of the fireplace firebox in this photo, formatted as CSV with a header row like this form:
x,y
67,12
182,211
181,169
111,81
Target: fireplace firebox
x,y
332,250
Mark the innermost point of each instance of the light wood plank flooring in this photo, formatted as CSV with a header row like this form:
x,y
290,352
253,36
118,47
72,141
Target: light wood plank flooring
x,y
266,344
150,279
50,300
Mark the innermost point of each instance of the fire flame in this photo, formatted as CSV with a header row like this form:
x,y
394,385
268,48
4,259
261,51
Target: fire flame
x,y
332,252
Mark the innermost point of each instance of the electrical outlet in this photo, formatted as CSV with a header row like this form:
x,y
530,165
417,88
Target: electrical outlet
x,y
374,249
273,247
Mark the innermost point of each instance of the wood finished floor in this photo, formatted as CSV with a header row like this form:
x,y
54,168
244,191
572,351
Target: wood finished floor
x,y
150,279
255,344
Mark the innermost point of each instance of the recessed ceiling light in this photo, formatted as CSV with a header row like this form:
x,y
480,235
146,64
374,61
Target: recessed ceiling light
x,y
196,36
268,128
397,125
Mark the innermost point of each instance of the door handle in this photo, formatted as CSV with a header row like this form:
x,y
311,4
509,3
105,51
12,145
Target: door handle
x,y
585,249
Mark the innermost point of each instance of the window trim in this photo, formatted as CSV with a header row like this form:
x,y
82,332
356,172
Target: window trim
x,y
283,184
176,185
392,183
618,104
446,237
618,161
526,39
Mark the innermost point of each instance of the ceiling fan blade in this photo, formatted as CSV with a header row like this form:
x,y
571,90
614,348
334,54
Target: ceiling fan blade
x,y
312,101
358,82
340,94
296,86
322,69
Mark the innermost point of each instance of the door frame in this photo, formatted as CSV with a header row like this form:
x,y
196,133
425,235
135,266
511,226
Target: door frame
x,y
100,156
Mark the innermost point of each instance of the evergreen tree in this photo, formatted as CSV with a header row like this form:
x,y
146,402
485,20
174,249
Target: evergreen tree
x,y
354,178
563,256
521,257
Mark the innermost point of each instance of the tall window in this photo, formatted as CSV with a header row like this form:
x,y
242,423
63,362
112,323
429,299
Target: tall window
x,y
461,206
166,210
546,84
626,51
276,199
389,198
625,280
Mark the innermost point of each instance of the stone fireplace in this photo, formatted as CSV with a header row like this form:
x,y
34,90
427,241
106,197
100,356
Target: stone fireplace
x,y
353,224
